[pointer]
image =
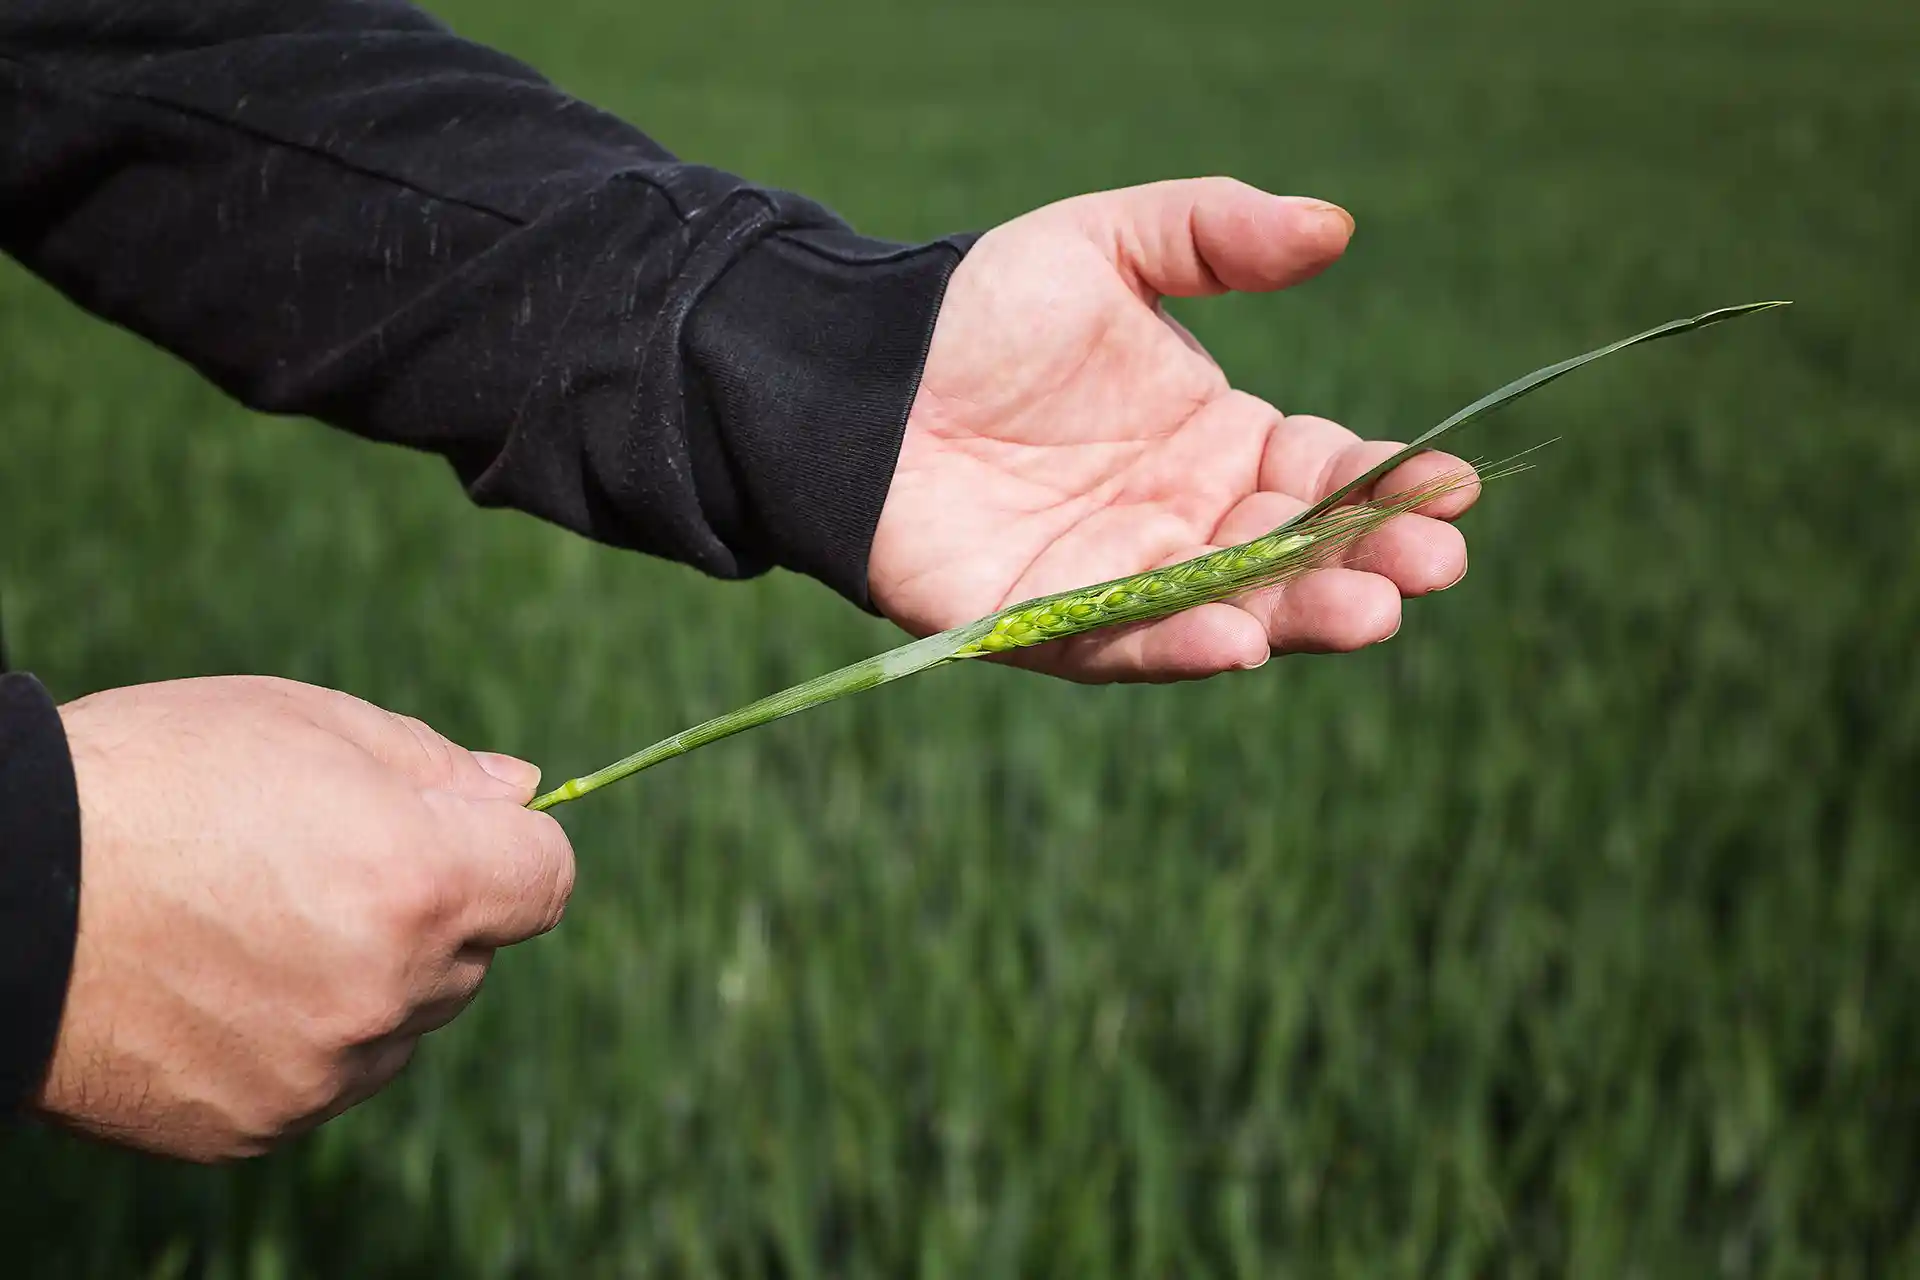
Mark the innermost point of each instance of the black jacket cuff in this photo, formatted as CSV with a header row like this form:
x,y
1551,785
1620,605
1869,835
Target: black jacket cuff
x,y
39,885
810,349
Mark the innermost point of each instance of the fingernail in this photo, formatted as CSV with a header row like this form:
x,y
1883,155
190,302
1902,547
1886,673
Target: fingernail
x,y
510,770
1458,578
1332,211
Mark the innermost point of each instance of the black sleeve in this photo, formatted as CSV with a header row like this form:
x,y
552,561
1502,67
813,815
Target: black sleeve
x,y
338,208
39,884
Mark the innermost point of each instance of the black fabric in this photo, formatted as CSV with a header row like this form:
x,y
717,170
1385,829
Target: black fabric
x,y
339,208
39,884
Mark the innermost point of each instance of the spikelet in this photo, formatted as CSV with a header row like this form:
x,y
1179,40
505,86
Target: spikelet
x,y
1277,557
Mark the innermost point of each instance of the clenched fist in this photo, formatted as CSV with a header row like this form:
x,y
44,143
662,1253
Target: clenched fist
x,y
283,889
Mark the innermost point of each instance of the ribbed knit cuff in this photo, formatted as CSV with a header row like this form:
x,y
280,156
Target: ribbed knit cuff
x,y
39,885
811,347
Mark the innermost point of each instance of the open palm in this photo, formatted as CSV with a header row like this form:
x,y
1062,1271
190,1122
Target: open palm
x,y
1068,431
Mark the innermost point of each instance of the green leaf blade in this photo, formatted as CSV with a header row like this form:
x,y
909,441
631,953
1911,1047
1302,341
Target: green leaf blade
x,y
1522,386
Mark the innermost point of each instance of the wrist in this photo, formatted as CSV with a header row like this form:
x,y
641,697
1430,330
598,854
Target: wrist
x,y
811,349
39,885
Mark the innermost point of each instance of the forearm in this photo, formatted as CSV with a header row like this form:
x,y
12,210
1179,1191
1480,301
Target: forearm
x,y
343,210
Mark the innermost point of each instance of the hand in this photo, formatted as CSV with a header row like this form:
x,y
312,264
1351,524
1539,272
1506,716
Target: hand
x,y
282,889
1068,431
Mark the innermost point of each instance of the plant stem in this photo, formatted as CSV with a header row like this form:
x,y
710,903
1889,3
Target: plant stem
x,y
866,674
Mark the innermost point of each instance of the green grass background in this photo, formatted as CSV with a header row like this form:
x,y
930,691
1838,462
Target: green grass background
x,y
1574,931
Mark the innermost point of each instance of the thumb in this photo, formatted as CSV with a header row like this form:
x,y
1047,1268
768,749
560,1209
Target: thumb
x,y
520,775
416,750
429,759
1199,236
515,868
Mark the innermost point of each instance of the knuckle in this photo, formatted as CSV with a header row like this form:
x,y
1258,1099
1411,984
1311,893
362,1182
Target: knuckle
x,y
390,1060
375,1010
248,1137
309,1088
433,754
262,1122
374,998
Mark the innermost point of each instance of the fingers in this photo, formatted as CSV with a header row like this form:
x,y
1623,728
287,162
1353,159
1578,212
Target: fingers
x,y
429,760
1328,611
1187,646
1308,457
522,778
1202,236
451,994
513,868
1417,554
1303,453
1425,468
374,1067
1345,606
1349,603
422,755
1422,468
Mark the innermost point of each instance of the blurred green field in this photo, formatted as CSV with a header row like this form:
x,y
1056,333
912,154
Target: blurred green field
x,y
1576,931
